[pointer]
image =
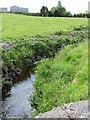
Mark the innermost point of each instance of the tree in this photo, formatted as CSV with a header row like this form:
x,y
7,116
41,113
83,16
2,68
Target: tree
x,y
88,14
59,10
59,4
75,15
53,9
68,14
56,13
44,11
84,15
50,14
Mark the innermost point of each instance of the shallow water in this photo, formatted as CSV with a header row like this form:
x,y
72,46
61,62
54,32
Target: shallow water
x,y
16,102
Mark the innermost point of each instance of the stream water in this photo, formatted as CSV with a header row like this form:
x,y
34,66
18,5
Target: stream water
x,y
16,98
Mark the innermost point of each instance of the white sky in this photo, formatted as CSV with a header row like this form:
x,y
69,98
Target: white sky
x,y
74,6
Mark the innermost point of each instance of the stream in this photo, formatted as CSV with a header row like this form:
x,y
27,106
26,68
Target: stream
x,y
16,98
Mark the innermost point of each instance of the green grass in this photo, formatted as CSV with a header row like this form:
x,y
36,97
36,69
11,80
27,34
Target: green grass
x,y
24,53
55,78
18,26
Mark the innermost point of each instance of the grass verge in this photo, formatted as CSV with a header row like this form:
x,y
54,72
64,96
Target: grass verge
x,y
63,79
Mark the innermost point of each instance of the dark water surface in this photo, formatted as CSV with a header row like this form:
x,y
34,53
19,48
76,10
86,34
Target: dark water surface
x,y
16,98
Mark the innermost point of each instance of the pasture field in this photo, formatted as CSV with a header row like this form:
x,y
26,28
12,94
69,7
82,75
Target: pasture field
x,y
18,26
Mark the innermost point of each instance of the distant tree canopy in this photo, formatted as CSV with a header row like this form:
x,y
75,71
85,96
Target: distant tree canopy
x,y
61,10
44,11
58,11
88,14
59,4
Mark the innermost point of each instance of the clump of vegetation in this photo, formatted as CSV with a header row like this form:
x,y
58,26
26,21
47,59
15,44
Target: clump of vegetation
x,y
80,27
62,79
24,53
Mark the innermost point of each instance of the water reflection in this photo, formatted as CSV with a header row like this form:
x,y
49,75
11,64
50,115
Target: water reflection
x,y
16,97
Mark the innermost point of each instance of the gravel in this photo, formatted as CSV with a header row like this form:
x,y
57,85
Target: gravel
x,y
71,110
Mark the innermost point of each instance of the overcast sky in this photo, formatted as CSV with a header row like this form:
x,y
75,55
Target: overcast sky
x,y
74,6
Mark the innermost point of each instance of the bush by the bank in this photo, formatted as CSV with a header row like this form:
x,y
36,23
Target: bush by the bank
x,y
62,79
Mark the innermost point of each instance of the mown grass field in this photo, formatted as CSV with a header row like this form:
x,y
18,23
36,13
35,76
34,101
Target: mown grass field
x,y
18,26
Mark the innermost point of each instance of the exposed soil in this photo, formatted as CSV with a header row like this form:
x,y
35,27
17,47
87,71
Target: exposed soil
x,y
6,45
76,33
71,34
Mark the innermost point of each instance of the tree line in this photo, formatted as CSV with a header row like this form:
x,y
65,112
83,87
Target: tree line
x,y
57,11
60,11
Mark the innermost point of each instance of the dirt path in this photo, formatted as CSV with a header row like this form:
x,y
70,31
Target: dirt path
x,y
72,110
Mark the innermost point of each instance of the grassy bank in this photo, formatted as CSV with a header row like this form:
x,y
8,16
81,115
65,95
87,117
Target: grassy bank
x,y
18,26
62,79
24,53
